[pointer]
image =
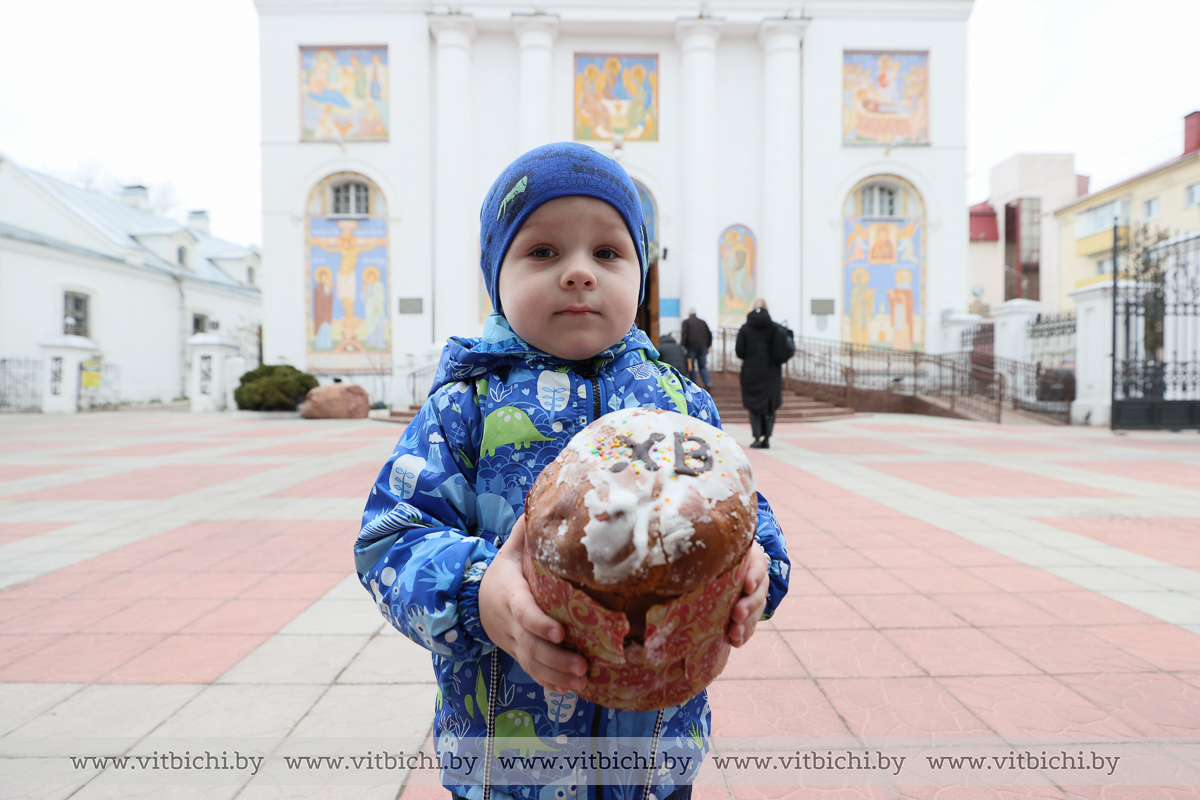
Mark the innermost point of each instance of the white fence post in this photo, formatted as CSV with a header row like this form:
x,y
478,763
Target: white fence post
x,y
206,384
1093,355
60,378
1011,318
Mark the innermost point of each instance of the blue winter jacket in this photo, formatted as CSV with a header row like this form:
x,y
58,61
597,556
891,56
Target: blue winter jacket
x,y
498,413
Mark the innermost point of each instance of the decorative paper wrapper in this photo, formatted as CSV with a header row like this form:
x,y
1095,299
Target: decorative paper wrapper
x,y
685,647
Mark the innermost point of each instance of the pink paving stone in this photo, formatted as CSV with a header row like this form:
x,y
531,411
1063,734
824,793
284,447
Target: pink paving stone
x,y
1066,649
869,580
968,555
1172,540
853,446
900,557
834,557
959,651
16,472
945,579
297,586
849,654
801,582
148,450
900,707
12,531
1034,706
155,615
809,792
212,584
53,586
267,432
352,482
64,615
391,431
248,616
999,444
1132,792
1165,646
897,427
980,793
1168,473
818,612
81,658
185,659
1021,578
306,448
1080,607
1160,444
761,708
902,611
766,655
14,647
993,609
155,483
970,479
32,446
1155,704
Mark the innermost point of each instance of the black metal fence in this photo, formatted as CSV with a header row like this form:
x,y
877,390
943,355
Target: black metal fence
x,y
20,384
1156,330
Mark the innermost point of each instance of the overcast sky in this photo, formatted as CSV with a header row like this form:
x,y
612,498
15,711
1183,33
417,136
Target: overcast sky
x,y
165,92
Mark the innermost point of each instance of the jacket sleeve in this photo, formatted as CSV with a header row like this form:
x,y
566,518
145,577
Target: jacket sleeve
x,y
739,347
767,533
418,552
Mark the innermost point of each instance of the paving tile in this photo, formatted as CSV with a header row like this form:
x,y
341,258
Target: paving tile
x,y
23,702
944,579
1168,473
1167,647
401,710
900,708
157,483
971,479
120,711
305,448
1034,706
185,658
867,580
337,617
782,708
1087,608
155,615
1021,579
15,531
1172,540
150,449
903,611
853,446
818,612
390,659
296,586
235,711
999,444
79,658
992,609
248,616
1155,704
766,655
296,659
1065,649
17,472
849,654
959,651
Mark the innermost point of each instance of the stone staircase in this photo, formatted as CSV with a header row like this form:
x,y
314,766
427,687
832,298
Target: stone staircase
x,y
727,393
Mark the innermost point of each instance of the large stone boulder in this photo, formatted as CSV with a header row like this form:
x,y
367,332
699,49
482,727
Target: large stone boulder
x,y
336,401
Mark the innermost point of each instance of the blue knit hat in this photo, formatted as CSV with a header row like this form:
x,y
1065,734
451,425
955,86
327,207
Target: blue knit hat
x,y
564,169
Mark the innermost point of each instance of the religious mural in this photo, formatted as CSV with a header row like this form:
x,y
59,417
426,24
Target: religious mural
x,y
885,98
736,278
616,94
349,328
884,274
344,94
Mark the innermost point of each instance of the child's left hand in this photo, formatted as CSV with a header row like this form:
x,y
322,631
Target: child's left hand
x,y
749,608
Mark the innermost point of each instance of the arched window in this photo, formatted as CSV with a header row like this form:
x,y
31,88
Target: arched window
x,y
883,265
352,198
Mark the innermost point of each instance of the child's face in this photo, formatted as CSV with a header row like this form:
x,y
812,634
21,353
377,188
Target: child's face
x,y
570,281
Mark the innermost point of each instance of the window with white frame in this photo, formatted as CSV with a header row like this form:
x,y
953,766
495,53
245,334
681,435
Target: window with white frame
x,y
1150,210
250,275
879,200
1191,196
182,256
352,199
75,313
1104,266
199,323
1100,218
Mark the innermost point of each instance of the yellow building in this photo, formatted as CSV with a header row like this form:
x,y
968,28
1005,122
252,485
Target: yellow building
x,y
1166,197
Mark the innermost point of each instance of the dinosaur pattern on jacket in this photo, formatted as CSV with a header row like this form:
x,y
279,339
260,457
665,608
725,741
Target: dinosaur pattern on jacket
x,y
498,413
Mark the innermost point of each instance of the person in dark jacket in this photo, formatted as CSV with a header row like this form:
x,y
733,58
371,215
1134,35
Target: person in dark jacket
x,y
762,376
672,352
697,341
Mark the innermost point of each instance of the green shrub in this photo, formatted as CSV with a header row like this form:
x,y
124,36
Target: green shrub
x,y
273,388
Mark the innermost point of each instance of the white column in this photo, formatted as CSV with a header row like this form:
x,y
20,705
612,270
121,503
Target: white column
x,y
455,223
1093,355
535,37
60,372
698,263
1012,317
206,384
778,261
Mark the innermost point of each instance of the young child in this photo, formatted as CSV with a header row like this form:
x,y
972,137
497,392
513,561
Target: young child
x,y
563,244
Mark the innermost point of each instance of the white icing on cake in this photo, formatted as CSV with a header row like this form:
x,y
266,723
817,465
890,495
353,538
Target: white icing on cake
x,y
645,521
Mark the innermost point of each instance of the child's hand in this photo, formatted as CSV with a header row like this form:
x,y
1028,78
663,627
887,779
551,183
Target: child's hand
x,y
749,608
514,622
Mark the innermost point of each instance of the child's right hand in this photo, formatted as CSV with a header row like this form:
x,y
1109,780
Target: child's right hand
x,y
514,622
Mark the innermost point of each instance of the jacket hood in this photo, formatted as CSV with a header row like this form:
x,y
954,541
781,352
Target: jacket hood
x,y
759,318
467,357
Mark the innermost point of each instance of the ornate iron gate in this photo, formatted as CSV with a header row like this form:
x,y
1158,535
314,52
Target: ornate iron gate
x,y
20,384
1156,332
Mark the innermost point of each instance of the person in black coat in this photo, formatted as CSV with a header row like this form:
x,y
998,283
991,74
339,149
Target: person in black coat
x,y
762,376
672,352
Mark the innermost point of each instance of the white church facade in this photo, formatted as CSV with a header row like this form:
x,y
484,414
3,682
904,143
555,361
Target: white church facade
x,y
812,155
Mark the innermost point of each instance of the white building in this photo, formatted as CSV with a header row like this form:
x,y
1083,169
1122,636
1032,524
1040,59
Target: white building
x,y
1014,250
812,154
127,285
